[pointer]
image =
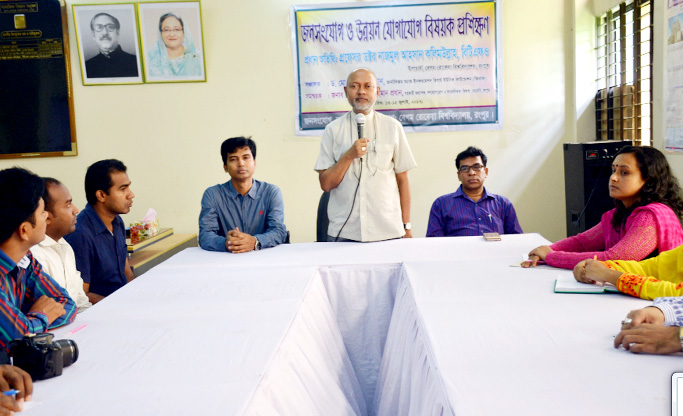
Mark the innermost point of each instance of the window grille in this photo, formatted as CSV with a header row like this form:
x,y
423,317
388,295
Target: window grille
x,y
623,103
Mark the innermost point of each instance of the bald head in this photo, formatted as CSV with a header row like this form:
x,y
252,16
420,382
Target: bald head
x,y
362,90
361,71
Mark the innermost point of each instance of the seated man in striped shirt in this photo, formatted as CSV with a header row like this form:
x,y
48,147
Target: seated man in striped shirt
x,y
242,214
30,301
471,211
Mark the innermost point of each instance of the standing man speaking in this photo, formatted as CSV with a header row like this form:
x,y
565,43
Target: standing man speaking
x,y
366,174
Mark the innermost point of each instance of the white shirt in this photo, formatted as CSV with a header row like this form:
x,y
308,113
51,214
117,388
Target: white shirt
x,y
59,261
376,214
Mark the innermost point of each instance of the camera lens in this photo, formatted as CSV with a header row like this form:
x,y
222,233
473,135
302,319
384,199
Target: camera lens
x,y
69,351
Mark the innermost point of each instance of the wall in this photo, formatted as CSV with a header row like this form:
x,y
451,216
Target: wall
x,y
169,135
585,70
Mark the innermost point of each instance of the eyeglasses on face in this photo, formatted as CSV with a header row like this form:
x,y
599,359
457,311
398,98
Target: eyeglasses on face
x,y
168,30
109,26
476,167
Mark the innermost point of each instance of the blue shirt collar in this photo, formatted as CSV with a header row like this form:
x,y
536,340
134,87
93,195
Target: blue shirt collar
x,y
252,192
97,222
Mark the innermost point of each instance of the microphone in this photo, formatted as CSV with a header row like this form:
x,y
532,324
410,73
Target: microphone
x,y
360,121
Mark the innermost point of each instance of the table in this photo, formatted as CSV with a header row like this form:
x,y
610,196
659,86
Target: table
x,y
419,327
159,251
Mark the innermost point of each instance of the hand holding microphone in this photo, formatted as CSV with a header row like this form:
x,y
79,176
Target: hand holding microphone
x,y
358,149
360,146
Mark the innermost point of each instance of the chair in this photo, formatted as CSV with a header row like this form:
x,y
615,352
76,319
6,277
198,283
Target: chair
x,y
323,221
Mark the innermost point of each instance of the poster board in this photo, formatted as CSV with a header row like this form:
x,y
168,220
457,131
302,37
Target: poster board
x,y
36,101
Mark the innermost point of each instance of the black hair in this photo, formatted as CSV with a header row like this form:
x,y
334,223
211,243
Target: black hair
x,y
171,14
115,20
660,184
234,143
46,192
470,152
24,189
98,178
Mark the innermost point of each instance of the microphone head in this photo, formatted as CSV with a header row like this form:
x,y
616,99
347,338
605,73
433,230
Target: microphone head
x,y
360,119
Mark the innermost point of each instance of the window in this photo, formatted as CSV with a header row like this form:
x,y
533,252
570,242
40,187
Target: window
x,y
623,103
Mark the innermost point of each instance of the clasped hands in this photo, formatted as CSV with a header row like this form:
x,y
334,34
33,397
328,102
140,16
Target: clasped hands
x,y
643,331
239,242
595,272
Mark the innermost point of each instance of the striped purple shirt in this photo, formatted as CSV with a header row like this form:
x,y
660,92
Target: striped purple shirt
x,y
457,215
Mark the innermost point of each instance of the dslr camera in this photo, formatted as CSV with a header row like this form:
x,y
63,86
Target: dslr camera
x,y
42,358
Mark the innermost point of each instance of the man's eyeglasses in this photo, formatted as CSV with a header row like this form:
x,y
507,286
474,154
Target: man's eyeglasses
x,y
175,31
476,168
109,26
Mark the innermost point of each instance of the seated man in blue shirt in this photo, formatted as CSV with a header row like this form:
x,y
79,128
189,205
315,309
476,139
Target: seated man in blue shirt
x,y
99,241
471,211
242,214
30,301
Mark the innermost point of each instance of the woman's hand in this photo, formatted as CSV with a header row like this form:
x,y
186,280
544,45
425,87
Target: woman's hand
x,y
595,272
580,273
536,255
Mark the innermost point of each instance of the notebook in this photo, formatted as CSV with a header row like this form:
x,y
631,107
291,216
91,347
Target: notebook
x,y
567,284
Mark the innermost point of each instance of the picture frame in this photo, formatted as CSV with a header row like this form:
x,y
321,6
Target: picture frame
x,y
172,41
108,43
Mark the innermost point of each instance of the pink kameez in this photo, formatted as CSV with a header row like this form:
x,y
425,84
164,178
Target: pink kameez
x,y
653,226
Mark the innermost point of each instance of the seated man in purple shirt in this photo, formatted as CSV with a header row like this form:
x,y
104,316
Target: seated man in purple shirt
x,y
242,214
471,211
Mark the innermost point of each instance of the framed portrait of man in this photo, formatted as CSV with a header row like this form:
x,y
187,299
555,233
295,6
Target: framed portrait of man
x,y
108,44
172,41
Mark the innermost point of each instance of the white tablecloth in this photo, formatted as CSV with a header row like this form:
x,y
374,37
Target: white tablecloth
x,y
418,327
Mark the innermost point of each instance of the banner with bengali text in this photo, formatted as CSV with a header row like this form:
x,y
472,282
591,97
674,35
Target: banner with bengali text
x,y
437,64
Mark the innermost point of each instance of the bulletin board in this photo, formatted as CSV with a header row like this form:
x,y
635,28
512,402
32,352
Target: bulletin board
x,y
36,101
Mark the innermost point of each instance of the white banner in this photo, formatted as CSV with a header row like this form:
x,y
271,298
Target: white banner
x,y
437,65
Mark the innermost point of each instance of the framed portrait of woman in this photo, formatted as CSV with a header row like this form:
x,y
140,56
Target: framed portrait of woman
x,y
108,44
172,41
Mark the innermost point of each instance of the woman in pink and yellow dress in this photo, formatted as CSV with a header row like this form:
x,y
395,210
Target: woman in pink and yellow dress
x,y
645,222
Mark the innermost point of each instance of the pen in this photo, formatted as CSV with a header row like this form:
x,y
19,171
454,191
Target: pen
x,y
77,329
10,392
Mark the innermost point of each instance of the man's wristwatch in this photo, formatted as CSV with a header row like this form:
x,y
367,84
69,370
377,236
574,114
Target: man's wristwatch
x,y
407,226
680,336
257,246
